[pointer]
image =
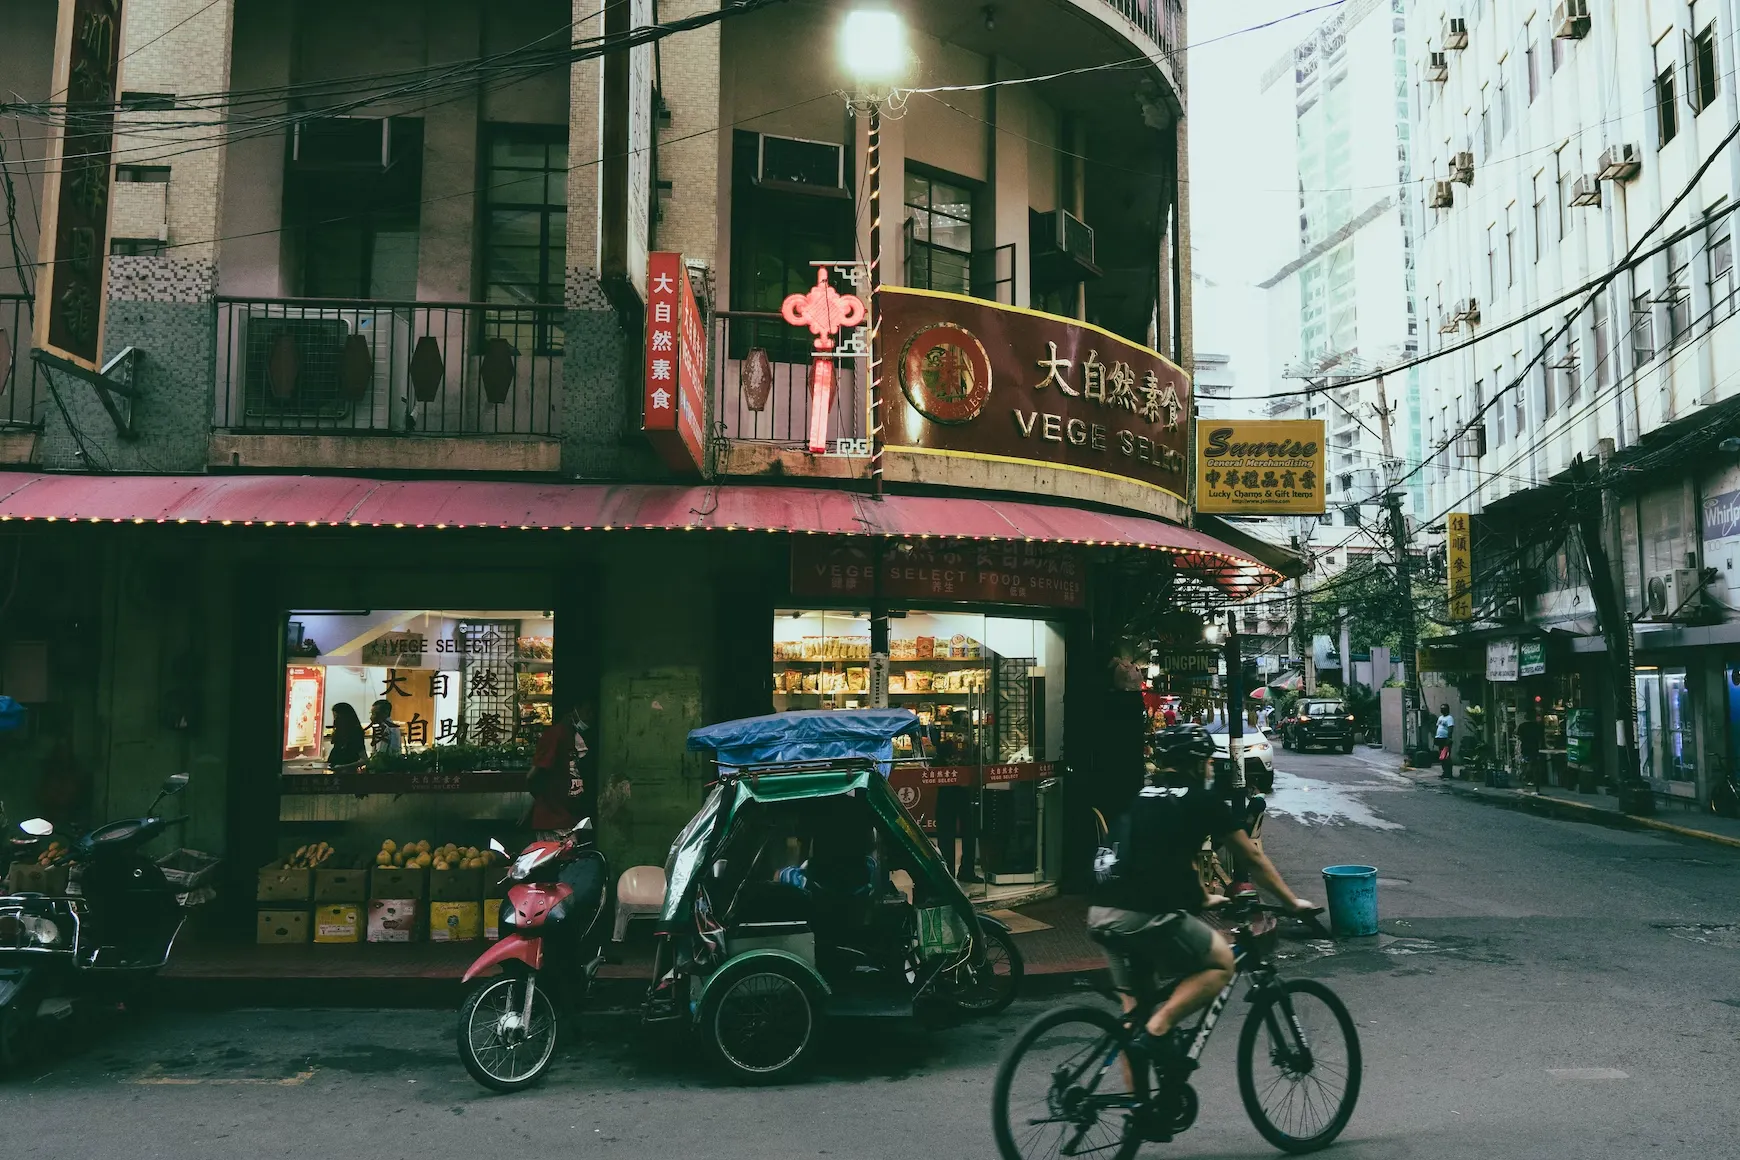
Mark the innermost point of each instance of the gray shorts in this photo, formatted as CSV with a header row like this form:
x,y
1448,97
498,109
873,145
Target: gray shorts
x,y
1141,947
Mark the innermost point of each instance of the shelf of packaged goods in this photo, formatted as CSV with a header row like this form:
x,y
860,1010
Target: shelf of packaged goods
x,y
980,661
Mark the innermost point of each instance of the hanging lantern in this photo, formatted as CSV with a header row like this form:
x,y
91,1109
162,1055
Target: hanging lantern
x,y
497,370
428,369
282,366
356,369
755,379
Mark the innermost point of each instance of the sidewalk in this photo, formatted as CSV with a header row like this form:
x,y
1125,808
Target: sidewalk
x,y
1599,808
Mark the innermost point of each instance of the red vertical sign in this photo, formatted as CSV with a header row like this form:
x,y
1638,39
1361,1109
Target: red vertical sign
x,y
676,365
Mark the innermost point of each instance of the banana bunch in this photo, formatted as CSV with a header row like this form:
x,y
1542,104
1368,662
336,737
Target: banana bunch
x,y
308,857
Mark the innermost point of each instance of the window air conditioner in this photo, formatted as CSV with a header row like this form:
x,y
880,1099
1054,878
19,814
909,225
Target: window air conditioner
x,y
1441,195
1586,190
342,143
1456,33
1063,248
1471,444
1571,20
1462,168
788,161
320,390
1672,594
1069,235
1437,67
1620,163
1468,310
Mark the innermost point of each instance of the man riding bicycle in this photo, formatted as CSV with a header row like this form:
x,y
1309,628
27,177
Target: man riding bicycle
x,y
1145,904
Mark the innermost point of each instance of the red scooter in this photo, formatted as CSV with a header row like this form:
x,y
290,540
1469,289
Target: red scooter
x,y
552,927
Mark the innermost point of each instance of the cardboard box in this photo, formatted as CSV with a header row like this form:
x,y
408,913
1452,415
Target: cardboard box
x,y
341,885
455,921
492,918
277,884
398,882
393,919
340,923
455,885
29,878
281,926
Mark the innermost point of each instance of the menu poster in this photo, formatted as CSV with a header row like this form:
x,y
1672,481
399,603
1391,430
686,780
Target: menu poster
x,y
305,711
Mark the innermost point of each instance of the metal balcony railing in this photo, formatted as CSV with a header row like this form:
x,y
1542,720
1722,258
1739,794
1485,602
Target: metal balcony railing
x,y
772,404
318,365
21,398
1158,20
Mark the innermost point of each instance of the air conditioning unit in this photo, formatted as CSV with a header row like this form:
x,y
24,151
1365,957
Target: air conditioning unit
x,y
1471,444
1462,168
1586,190
1437,67
1069,235
795,161
1468,310
1620,163
1441,195
1571,20
1672,594
1063,248
1456,33
320,392
1365,482
342,143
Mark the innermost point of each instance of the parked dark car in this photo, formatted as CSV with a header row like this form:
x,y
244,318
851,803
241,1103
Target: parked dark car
x,y
1324,724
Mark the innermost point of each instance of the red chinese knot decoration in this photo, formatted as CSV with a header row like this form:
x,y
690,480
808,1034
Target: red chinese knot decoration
x,y
824,311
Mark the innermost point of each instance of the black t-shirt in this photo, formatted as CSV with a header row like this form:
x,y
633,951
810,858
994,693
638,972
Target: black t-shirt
x,y
1158,839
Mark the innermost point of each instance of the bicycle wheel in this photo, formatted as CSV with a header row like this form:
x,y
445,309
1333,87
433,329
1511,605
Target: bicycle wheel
x,y
1067,1088
1301,1087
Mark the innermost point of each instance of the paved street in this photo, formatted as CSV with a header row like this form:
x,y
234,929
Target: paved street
x,y
1542,989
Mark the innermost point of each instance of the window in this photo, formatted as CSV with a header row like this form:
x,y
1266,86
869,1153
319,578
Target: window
x,y
1603,345
1492,260
1520,411
1679,283
1558,54
1485,138
1533,57
525,230
1667,113
1350,517
1541,196
1498,411
1701,81
1503,109
1562,180
1510,250
1571,381
1642,330
1549,403
1720,255
354,227
939,231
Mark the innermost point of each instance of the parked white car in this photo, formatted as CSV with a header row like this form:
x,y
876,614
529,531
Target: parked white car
x,y
1259,755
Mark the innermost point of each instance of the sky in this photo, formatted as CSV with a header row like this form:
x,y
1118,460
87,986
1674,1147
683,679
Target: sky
x,y
1229,185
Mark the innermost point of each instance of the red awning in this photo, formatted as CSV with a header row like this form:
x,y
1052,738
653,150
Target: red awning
x,y
338,501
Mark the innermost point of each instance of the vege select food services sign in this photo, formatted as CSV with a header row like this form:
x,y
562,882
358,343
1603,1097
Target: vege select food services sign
x,y
980,380
1249,467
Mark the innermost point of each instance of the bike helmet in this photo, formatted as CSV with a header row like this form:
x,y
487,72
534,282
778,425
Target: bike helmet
x,y
1179,745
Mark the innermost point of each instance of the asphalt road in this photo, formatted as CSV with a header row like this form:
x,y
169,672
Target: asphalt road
x,y
1541,989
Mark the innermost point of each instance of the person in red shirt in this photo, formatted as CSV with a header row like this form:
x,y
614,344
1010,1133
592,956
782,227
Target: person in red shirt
x,y
1169,714
555,782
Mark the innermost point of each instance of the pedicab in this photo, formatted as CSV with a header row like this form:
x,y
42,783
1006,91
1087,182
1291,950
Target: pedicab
x,y
784,906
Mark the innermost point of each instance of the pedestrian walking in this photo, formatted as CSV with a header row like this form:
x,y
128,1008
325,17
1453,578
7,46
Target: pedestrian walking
x,y
957,807
1446,730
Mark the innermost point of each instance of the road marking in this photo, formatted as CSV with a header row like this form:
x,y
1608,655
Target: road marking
x,y
1586,1073
153,1077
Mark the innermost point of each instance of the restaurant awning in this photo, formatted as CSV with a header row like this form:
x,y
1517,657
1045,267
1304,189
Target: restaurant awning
x,y
340,501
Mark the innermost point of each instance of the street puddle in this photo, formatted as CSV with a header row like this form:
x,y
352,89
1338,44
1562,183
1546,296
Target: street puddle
x,y
1394,947
1318,803
1720,934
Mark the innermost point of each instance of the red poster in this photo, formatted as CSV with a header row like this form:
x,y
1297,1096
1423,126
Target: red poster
x,y
676,365
304,711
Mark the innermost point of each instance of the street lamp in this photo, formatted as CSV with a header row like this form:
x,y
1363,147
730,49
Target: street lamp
x,y
874,53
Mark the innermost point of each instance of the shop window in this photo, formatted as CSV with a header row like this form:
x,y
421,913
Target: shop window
x,y
988,691
525,230
939,233
352,193
1666,743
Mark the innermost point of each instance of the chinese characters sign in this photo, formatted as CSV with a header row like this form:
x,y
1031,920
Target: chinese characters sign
x,y
981,380
1041,575
676,364
71,294
1459,558
1260,467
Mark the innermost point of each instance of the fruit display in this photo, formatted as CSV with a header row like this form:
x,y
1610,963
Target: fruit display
x,y
56,851
423,855
309,856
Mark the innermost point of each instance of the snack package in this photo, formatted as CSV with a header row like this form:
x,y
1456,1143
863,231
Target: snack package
x,y
924,648
896,683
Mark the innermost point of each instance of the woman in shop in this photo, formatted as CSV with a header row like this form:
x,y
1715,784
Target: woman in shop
x,y
956,805
347,750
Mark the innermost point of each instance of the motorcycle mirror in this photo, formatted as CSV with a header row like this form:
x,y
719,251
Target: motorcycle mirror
x,y
585,826
37,827
498,847
720,867
175,783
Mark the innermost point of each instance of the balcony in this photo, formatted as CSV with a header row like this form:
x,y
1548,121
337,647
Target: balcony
x,y
327,383
21,395
1158,20
762,377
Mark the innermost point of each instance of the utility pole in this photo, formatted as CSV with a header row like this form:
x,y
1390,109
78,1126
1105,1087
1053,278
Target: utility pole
x,y
1404,573
1235,702
1595,516
1301,636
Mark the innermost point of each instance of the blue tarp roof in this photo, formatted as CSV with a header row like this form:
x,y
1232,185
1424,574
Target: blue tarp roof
x,y
811,735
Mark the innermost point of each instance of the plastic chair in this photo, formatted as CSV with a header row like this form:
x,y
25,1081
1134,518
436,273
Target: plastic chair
x,y
639,892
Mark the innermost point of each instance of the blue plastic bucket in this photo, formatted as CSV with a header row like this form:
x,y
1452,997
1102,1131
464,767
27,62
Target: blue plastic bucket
x,y
1352,894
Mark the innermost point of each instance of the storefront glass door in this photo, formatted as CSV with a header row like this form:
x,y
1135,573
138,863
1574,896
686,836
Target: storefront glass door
x,y
1665,725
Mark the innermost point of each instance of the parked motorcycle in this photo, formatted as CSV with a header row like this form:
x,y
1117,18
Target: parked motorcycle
x,y
101,943
552,926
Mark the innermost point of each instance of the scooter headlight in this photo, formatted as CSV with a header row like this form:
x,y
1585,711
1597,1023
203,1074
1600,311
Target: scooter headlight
x,y
29,931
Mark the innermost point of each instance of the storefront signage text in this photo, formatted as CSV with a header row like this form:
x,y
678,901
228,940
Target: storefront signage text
x,y
988,381
1501,660
1459,557
1532,658
676,364
1266,467
1043,575
1722,542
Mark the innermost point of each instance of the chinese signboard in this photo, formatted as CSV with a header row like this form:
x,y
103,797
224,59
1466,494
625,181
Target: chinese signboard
x,y
985,381
1459,558
1501,660
641,68
1532,658
676,365
75,229
916,785
1260,467
1043,575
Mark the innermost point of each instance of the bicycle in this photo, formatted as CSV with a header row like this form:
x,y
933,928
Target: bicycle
x,y
1086,1104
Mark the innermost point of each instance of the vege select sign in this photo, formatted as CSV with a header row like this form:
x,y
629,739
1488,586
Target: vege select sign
x,y
1260,467
980,380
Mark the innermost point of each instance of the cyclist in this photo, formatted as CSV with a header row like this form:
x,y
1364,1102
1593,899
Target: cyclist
x,y
1145,904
